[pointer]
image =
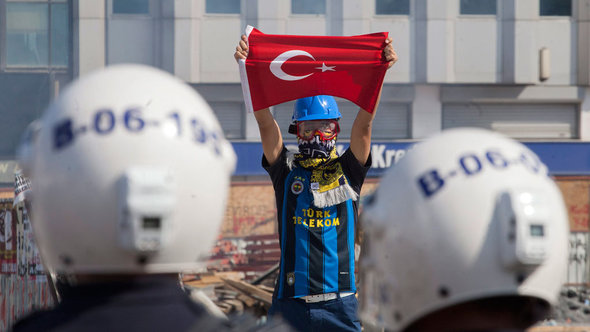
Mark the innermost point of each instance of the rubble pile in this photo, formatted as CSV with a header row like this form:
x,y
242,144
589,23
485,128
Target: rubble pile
x,y
574,306
231,294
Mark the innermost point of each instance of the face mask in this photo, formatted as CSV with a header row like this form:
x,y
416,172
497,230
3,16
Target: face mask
x,y
316,147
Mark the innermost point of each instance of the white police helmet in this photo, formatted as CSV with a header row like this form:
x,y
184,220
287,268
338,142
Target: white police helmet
x,y
466,215
130,173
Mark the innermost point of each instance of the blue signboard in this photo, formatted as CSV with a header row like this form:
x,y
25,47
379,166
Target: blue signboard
x,y
562,158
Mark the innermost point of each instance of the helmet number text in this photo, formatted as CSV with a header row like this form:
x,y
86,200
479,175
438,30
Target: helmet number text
x,y
472,164
105,121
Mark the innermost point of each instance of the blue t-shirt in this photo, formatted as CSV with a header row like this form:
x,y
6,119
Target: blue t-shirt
x,y
317,244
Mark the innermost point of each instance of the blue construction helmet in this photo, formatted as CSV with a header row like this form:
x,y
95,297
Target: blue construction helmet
x,y
319,107
316,108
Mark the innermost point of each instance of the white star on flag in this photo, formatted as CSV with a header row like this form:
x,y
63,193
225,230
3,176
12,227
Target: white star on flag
x,y
325,68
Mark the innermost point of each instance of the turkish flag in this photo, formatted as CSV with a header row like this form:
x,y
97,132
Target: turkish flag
x,y
280,68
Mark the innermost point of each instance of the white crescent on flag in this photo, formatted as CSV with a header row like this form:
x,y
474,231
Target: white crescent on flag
x,y
275,65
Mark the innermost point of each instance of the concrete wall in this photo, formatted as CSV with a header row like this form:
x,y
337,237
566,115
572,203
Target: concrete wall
x,y
582,10
89,20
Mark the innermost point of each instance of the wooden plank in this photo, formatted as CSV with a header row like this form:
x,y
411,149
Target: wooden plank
x,y
236,305
248,301
250,290
206,279
266,288
266,274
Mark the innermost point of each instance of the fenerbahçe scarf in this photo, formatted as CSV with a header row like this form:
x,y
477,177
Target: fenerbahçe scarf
x,y
280,68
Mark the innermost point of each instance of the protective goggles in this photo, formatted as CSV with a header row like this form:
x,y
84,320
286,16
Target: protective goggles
x,y
327,129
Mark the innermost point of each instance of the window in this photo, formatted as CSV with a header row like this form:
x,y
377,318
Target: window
x,y
59,33
317,7
131,6
231,117
222,7
392,7
478,7
37,34
556,8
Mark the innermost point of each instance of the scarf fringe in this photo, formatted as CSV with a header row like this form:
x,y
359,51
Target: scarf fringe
x,y
334,196
291,159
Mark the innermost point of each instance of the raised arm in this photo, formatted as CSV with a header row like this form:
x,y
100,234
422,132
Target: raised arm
x,y
270,133
360,135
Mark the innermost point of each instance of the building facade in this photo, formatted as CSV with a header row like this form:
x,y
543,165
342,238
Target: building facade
x,y
520,67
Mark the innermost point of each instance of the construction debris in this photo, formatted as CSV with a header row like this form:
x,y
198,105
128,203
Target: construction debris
x,y
230,293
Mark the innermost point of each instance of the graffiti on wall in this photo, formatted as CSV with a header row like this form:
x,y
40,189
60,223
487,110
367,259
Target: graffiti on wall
x,y
7,237
250,211
23,282
578,260
576,193
27,253
19,295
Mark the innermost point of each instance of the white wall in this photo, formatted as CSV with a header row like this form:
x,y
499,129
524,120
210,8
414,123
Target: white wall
x,y
218,37
400,29
476,53
559,35
89,37
582,11
426,111
187,25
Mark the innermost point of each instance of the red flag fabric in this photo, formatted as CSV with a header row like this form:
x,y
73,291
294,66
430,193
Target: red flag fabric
x,y
280,68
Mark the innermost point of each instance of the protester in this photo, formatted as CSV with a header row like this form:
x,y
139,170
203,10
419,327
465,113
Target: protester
x,y
316,193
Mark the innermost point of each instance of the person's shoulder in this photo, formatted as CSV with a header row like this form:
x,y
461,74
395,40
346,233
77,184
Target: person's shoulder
x,y
282,159
347,156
